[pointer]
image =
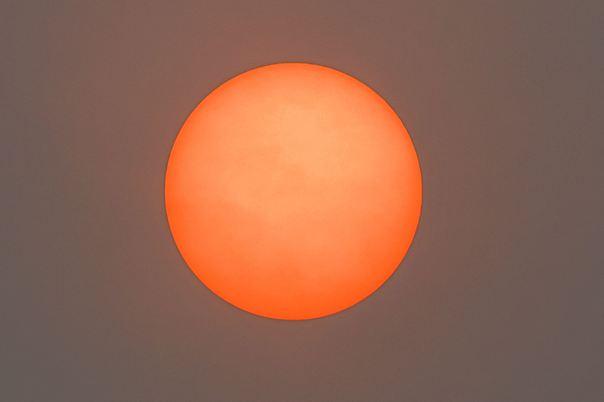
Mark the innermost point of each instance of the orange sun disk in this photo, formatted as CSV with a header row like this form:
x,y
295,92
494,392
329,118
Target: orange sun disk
x,y
293,191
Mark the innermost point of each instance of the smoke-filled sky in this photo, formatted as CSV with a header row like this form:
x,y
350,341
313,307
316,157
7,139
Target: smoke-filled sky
x,y
499,298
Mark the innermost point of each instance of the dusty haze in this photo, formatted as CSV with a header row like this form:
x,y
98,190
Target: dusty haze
x,y
499,298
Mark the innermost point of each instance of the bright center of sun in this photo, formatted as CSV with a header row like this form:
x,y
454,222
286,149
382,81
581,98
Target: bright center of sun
x,y
293,191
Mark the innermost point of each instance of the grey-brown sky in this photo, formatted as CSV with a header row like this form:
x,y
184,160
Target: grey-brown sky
x,y
499,299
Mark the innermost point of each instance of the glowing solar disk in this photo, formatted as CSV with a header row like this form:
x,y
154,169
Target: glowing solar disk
x,y
293,191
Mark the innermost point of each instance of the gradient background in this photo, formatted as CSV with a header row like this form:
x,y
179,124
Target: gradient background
x,y
499,299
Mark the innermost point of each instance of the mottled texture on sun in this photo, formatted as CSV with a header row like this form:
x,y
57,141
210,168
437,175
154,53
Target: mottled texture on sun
x,y
293,191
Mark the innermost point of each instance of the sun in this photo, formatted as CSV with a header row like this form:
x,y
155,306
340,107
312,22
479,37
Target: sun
x,y
293,191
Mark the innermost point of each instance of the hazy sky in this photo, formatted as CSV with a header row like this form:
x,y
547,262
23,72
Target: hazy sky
x,y
500,297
